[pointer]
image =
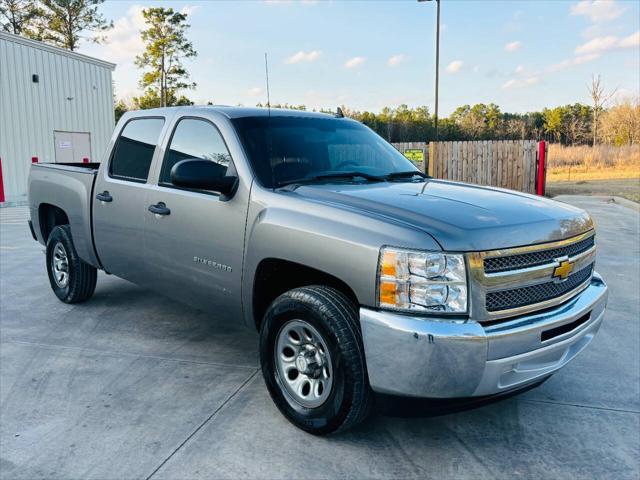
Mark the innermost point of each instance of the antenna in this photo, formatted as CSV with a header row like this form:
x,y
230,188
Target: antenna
x,y
266,72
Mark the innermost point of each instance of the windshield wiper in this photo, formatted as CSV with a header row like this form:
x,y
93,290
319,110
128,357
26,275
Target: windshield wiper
x,y
333,176
407,174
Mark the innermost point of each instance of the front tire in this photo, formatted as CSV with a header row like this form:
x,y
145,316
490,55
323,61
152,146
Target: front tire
x,y
313,361
71,279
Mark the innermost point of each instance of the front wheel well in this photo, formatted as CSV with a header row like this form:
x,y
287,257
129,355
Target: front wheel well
x,y
276,276
50,217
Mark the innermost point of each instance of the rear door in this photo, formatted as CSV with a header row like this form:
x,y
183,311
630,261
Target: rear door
x,y
195,251
120,204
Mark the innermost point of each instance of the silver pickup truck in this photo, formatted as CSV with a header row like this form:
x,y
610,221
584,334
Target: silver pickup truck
x,y
365,277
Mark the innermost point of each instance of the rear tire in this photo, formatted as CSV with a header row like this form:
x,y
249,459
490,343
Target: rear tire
x,y
71,279
327,390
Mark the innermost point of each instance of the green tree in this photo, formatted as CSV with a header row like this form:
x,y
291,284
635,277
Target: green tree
x,y
166,45
480,122
151,99
576,123
20,17
63,22
282,105
553,120
120,109
565,124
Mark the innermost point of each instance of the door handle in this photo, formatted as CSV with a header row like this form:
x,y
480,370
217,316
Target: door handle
x,y
159,209
104,197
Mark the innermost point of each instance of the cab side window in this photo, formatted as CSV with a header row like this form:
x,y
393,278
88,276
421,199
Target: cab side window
x,y
194,139
134,149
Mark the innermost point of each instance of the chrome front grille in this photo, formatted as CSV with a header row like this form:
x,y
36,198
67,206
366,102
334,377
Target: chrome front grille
x,y
519,297
532,259
515,281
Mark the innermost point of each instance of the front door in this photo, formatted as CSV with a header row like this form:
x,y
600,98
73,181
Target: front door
x,y
194,246
120,203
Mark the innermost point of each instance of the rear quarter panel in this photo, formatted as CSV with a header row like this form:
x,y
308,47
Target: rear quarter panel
x,y
70,189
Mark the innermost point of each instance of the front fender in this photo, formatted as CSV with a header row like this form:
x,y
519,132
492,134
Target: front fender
x,y
341,242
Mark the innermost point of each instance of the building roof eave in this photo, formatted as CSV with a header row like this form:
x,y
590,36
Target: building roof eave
x,y
10,37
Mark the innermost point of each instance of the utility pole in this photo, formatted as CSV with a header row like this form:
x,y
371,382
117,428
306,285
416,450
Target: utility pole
x,y
437,62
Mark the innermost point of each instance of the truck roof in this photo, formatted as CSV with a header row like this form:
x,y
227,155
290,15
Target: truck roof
x,y
238,112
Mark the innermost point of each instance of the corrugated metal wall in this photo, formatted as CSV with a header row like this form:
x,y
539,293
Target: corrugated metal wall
x,y
74,93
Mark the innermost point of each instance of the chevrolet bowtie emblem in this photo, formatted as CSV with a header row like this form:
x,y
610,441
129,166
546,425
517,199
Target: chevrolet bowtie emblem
x,y
562,271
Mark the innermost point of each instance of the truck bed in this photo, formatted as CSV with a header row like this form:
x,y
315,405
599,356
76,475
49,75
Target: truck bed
x,y
74,166
68,186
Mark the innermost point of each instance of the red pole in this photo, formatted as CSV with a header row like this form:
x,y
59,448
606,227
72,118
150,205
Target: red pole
x,y
1,184
34,159
542,160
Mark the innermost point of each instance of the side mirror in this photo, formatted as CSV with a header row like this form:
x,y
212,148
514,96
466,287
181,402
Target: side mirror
x,y
203,175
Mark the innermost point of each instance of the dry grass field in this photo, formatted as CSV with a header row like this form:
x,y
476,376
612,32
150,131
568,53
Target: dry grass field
x,y
600,170
593,163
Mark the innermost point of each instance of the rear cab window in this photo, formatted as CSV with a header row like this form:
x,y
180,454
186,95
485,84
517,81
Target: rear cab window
x,y
134,149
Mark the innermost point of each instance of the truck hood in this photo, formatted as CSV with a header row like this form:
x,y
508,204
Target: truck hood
x,y
460,217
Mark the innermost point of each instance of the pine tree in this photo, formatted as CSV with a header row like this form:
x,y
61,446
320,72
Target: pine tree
x,y
166,45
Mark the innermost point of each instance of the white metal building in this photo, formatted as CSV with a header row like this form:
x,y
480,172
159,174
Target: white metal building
x,y
55,106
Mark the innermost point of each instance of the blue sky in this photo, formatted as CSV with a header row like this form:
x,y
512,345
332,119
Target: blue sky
x,y
522,55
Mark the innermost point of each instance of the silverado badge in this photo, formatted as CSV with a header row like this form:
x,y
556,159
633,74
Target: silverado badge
x,y
562,271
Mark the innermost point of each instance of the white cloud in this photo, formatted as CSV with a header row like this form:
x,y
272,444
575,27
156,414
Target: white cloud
x,y
455,66
597,10
123,41
609,42
519,69
585,58
572,62
521,83
396,60
303,56
598,44
513,46
354,62
631,41
255,91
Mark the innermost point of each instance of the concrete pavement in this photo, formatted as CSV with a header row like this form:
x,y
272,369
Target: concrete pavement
x,y
133,385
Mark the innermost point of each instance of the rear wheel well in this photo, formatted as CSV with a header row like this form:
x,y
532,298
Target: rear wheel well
x,y
275,276
50,217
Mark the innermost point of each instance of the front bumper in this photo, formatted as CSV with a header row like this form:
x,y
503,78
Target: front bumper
x,y
443,358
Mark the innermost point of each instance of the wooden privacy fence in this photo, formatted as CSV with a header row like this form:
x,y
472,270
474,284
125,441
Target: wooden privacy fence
x,y
509,164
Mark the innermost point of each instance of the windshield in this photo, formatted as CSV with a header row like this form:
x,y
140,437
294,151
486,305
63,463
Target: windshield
x,y
285,149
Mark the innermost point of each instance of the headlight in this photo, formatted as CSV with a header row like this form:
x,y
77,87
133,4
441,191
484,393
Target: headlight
x,y
422,281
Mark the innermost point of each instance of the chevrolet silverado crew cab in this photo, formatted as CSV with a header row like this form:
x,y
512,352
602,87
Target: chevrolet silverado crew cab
x,y
364,276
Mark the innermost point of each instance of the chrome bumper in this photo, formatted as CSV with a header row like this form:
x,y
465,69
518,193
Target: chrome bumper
x,y
443,358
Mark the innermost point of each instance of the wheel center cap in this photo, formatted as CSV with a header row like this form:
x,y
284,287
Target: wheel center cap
x,y
301,363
